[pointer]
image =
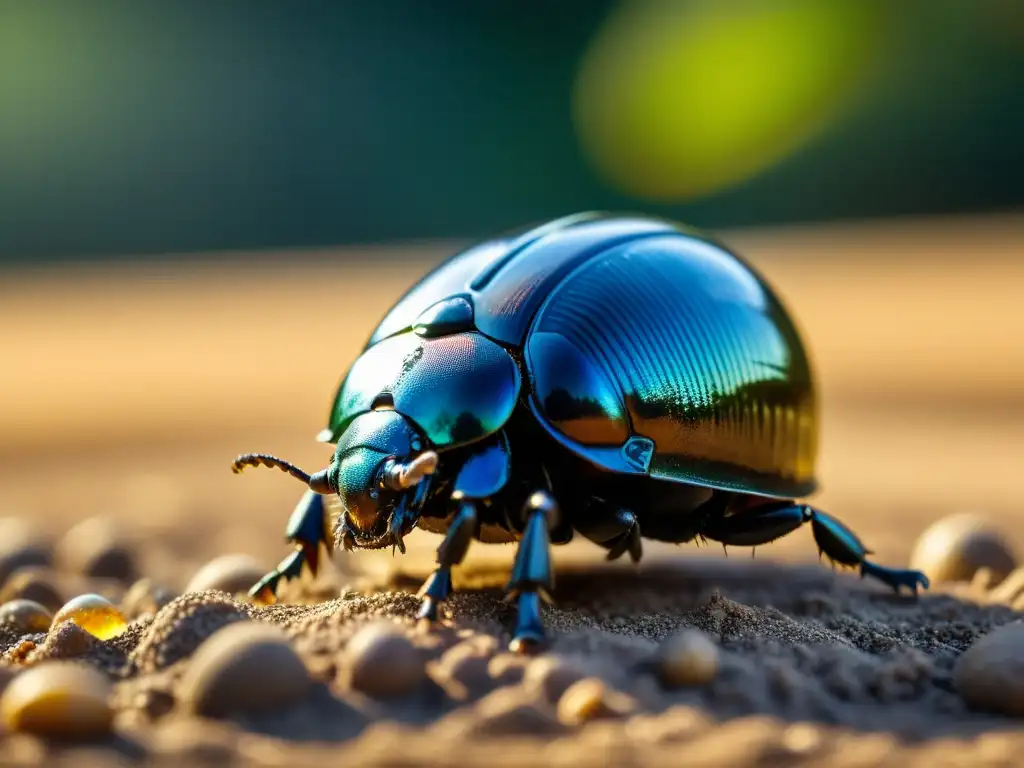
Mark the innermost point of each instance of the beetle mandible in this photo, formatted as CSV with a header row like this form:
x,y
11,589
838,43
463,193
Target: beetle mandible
x,y
614,377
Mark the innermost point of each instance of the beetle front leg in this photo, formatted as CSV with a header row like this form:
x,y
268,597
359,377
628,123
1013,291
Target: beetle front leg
x,y
306,529
453,549
532,577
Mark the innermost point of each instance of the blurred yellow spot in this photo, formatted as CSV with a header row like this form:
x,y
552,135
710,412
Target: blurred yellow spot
x,y
679,100
96,615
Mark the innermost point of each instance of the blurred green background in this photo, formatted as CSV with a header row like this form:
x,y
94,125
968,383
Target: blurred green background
x,y
131,127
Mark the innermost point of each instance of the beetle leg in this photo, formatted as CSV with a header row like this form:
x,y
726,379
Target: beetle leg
x,y
453,549
757,525
766,522
614,528
532,577
841,545
306,529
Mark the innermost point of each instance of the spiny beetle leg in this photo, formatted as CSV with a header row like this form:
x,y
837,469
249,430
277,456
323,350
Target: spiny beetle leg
x,y
532,577
305,528
438,586
841,545
265,590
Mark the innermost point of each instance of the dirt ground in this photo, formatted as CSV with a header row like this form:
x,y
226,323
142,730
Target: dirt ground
x,y
127,391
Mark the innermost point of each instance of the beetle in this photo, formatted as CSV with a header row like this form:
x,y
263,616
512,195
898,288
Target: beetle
x,y
616,377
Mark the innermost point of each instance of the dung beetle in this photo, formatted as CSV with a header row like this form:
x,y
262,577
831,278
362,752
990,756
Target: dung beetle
x,y
614,377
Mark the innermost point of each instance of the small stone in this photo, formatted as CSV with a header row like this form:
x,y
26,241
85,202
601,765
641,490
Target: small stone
x,y
94,547
803,738
20,546
382,662
590,699
33,583
229,573
246,666
990,674
96,615
27,616
955,547
144,597
59,699
688,658
553,675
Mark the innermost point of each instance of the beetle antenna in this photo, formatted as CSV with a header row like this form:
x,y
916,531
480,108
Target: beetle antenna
x,y
318,482
398,475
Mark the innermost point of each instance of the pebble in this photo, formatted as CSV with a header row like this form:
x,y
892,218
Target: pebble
x,y
94,547
590,699
990,674
246,666
956,547
145,597
19,547
382,662
59,699
27,615
33,583
228,573
93,613
688,658
553,675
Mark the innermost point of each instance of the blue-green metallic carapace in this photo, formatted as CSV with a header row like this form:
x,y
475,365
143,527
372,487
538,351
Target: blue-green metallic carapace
x,y
607,376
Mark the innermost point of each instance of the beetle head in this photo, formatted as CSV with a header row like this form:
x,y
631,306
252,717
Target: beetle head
x,y
381,474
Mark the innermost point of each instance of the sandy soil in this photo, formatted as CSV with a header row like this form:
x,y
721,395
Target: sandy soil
x,y
133,389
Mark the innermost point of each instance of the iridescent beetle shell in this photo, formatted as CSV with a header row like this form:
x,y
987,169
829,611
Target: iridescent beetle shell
x,y
641,346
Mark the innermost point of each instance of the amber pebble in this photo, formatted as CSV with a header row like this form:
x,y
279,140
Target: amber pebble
x,y
58,699
94,547
990,674
956,547
33,583
383,662
96,615
589,699
245,666
227,573
688,658
27,615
